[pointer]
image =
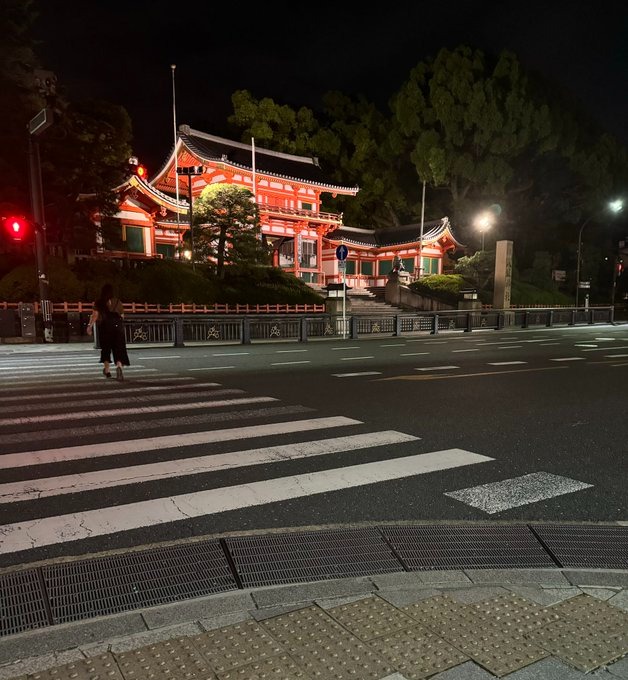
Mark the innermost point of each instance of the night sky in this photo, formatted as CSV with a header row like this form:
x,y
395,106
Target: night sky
x,y
294,52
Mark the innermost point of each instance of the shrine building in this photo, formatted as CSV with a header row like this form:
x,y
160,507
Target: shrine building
x,y
288,190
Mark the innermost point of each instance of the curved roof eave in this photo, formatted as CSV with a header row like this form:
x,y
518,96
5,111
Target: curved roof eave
x,y
158,196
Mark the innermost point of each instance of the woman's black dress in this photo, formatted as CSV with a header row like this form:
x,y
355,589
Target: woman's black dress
x,y
111,335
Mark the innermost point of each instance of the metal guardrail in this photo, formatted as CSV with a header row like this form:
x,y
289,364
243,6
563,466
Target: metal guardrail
x,y
181,330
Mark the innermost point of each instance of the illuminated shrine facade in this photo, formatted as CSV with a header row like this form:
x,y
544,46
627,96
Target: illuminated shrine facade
x,y
288,190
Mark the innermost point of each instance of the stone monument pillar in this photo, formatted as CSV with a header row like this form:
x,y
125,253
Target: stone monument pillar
x,y
503,275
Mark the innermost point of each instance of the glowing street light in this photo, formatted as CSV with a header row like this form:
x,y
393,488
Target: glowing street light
x,y
615,206
483,222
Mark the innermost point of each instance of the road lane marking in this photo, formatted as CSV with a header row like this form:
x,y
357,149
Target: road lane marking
x,y
32,489
569,359
210,368
290,363
436,368
469,375
395,344
604,349
511,347
547,344
116,448
148,356
337,349
354,358
104,413
229,354
289,351
518,491
465,350
579,344
505,363
605,339
353,375
36,533
413,354
615,356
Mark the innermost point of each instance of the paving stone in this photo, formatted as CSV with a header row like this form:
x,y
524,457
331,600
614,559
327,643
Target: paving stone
x,y
223,620
476,594
545,596
511,613
371,617
417,652
548,669
591,612
170,659
302,593
271,612
194,610
150,637
406,580
330,602
96,668
620,600
582,577
281,667
403,598
467,671
517,576
38,663
599,593
395,676
238,645
619,669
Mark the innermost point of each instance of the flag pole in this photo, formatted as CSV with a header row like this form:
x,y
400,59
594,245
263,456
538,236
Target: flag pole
x,y
176,174
253,164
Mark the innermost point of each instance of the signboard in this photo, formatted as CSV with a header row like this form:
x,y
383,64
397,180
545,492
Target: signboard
x,y
342,265
585,284
40,122
559,275
341,252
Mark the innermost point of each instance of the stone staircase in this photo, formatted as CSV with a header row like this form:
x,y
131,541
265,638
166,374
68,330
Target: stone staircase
x,y
371,302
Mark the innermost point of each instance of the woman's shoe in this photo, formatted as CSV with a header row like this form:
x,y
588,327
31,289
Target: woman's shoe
x,y
106,373
119,374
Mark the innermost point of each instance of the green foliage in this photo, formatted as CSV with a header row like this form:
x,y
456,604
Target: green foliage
x,y
167,282
523,293
21,284
444,287
477,268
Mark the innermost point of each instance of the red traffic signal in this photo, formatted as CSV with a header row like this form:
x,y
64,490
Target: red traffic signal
x,y
16,227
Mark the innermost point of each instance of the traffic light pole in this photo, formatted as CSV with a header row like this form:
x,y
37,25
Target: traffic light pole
x,y
37,207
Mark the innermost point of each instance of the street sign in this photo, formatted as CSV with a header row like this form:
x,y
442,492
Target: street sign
x,y
585,284
342,265
40,122
341,252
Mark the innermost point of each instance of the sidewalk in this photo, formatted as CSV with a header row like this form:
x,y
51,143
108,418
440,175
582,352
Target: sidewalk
x,y
461,624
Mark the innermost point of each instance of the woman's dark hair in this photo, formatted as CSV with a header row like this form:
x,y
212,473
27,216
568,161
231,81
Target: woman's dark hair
x,y
106,293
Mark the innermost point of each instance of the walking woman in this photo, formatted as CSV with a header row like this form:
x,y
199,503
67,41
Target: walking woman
x,y
108,316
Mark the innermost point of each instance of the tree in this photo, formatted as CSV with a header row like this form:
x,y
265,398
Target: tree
x,y
227,228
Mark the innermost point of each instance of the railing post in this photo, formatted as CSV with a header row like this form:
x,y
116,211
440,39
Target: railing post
x,y
525,319
246,331
353,320
500,321
469,327
303,330
611,315
434,330
550,318
572,321
178,332
591,317
397,325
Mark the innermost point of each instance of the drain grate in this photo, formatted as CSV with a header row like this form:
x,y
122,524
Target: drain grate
x,y
586,546
22,602
310,556
467,547
107,585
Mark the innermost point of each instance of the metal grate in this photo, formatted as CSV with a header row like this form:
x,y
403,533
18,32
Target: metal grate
x,y
106,585
576,546
22,602
311,556
467,547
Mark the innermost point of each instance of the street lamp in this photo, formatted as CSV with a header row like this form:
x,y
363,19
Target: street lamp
x,y
615,206
483,222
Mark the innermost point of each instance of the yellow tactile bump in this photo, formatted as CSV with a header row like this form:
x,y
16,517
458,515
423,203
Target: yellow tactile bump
x,y
582,644
176,659
511,612
590,611
417,653
434,609
371,617
273,668
101,667
237,645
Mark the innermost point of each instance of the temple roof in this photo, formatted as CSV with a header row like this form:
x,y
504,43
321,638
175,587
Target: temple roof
x,y
395,236
212,149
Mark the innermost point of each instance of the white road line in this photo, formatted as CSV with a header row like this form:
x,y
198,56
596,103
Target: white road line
x,y
210,368
337,349
436,368
547,344
289,351
436,342
32,489
518,491
605,339
51,369
535,340
116,448
148,356
60,382
127,390
413,354
104,413
229,354
104,521
289,363
499,342
395,344
615,356
353,375
465,350
569,359
579,344
511,347
506,363
604,349
354,358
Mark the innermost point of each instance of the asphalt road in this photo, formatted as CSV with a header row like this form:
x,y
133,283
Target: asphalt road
x,y
496,425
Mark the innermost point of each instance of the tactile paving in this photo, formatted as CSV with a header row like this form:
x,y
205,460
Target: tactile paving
x,y
323,648
579,546
433,610
583,646
116,583
417,653
589,611
236,645
467,547
275,667
22,602
172,659
371,617
310,556
511,613
101,667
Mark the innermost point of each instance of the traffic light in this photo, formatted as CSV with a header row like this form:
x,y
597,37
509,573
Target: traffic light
x,y
16,227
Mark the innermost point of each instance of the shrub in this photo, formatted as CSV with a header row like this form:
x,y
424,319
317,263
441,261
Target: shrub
x,y
443,287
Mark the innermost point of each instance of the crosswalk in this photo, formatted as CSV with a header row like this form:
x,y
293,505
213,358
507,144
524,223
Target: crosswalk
x,y
82,457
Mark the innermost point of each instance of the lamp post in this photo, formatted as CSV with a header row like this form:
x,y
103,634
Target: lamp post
x,y
615,206
483,222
